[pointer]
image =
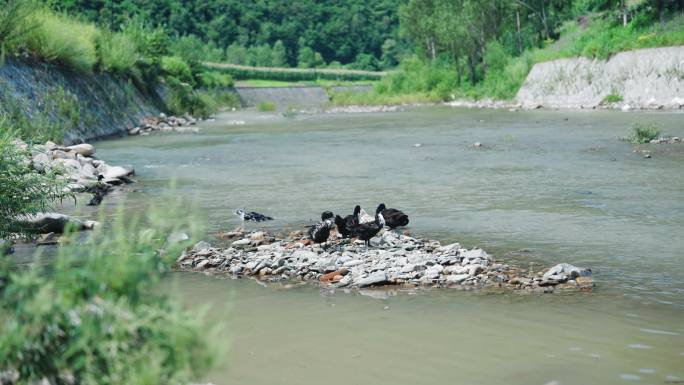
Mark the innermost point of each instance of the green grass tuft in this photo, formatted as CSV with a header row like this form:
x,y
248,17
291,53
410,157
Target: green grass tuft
x,y
266,107
644,133
176,67
63,41
117,52
612,98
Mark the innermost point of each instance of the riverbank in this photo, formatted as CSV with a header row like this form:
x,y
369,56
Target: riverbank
x,y
643,79
394,259
491,104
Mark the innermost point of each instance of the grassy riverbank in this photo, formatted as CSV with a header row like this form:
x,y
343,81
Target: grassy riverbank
x,y
146,57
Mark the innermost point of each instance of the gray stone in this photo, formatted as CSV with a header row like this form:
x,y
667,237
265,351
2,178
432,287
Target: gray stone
x,y
449,249
305,255
345,281
88,172
115,172
69,166
41,161
199,246
474,270
566,269
241,242
456,269
475,254
353,262
84,149
376,278
457,278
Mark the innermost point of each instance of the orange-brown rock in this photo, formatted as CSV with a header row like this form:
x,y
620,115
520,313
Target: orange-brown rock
x,y
334,276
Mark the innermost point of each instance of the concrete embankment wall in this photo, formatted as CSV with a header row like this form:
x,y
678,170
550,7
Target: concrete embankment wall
x,y
283,97
87,106
646,78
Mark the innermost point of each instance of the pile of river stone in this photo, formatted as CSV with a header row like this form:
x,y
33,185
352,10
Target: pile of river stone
x,y
667,140
165,123
393,259
76,165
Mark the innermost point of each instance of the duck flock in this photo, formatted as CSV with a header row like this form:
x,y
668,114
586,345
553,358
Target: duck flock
x,y
357,225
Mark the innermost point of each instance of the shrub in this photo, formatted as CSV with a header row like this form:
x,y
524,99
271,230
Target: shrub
x,y
23,190
183,99
152,45
214,79
99,315
15,22
116,52
644,133
227,99
612,98
177,68
266,107
58,39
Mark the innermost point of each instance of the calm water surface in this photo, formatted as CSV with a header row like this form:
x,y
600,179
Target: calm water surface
x,y
546,187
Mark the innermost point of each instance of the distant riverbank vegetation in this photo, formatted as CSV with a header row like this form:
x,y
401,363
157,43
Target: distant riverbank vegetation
x,y
486,48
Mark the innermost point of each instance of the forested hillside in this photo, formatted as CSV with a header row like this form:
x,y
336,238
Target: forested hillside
x,y
303,33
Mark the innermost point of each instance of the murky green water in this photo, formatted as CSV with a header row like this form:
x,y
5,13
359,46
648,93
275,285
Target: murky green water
x,y
546,187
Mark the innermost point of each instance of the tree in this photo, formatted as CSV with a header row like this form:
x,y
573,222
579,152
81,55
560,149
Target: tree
x,y
236,54
263,56
279,55
366,62
306,58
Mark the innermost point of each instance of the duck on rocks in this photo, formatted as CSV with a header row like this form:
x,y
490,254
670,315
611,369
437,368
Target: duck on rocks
x,y
345,224
364,217
99,190
393,217
320,231
366,231
252,216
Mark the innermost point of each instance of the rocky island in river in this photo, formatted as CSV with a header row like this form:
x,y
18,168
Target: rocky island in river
x,y
394,259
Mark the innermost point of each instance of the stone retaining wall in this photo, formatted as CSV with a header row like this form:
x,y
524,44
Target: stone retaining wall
x,y
87,106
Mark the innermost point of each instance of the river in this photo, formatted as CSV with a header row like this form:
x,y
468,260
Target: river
x,y
545,187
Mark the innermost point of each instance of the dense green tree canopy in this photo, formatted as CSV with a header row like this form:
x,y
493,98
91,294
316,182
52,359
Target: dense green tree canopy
x,y
336,30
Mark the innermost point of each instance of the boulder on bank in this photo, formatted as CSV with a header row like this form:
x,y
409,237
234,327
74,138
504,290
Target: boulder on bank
x,y
76,165
43,223
83,149
115,174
